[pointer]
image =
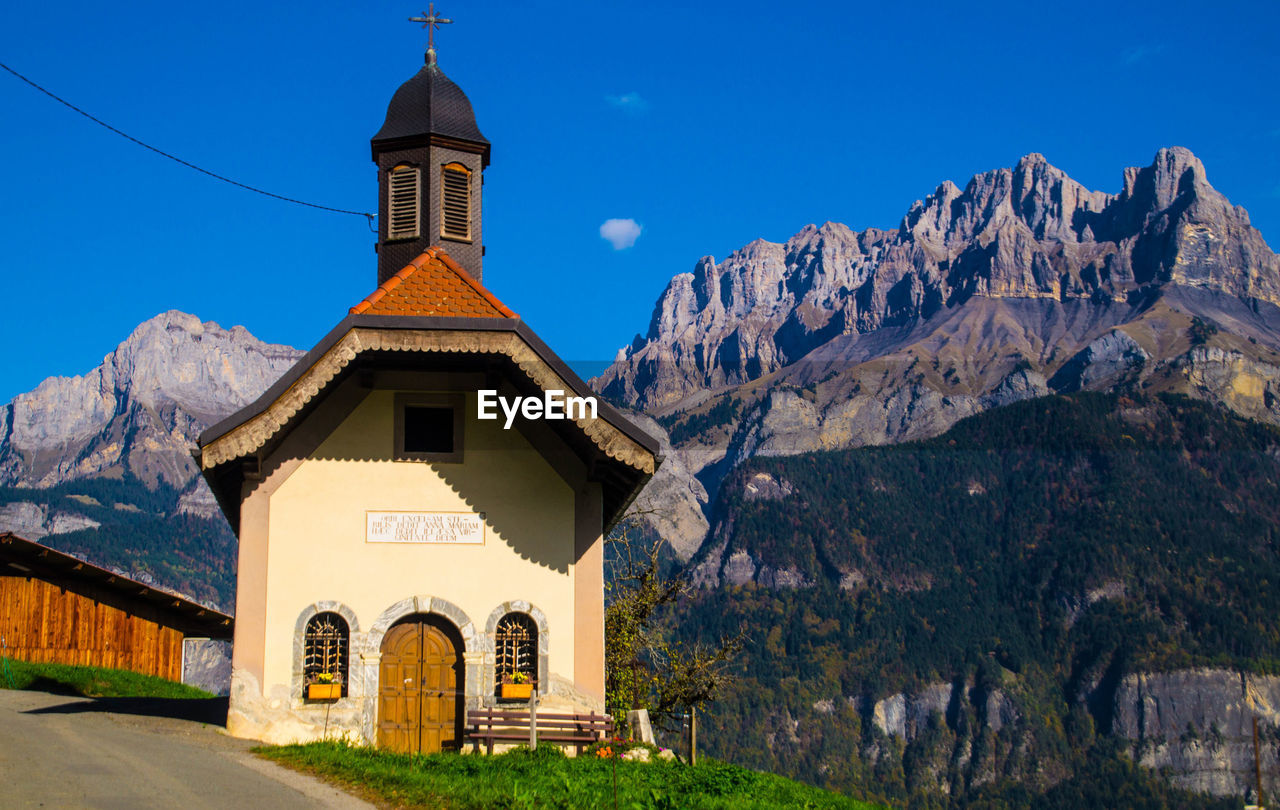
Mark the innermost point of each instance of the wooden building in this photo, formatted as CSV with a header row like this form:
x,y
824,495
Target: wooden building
x,y
59,609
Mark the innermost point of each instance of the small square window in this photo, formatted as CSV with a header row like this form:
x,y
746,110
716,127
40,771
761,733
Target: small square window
x,y
429,427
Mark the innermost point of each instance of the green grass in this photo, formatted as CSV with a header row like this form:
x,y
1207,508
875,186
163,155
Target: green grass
x,y
92,682
546,778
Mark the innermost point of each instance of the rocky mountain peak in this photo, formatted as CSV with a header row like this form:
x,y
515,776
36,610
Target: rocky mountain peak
x,y
1174,172
141,408
175,357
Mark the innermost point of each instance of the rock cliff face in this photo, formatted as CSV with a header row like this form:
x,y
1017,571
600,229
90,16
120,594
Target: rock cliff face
x,y
1193,725
672,504
1199,724
33,520
140,410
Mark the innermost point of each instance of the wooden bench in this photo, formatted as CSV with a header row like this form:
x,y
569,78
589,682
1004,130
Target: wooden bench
x,y
506,725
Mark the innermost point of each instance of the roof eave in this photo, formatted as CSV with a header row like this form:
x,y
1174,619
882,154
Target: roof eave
x,y
226,477
435,323
481,147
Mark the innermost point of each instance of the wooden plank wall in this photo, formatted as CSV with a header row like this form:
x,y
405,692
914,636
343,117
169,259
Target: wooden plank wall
x,y
44,623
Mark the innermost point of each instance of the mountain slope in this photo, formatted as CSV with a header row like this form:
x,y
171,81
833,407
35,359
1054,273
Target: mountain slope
x,y
990,604
1021,284
99,465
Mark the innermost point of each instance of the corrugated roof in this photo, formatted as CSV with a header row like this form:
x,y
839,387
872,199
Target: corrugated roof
x,y
433,285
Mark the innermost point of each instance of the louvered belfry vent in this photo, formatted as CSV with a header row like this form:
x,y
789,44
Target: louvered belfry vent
x,y
455,201
403,203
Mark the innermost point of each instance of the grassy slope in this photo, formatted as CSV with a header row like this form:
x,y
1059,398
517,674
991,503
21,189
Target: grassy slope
x,y
520,779
91,681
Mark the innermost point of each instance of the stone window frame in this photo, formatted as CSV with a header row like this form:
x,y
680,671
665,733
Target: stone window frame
x,y
458,402
318,642
522,648
350,689
544,645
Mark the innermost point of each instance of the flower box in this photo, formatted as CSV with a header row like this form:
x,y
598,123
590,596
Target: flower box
x,y
324,691
517,691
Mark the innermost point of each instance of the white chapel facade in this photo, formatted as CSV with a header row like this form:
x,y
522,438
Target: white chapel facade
x,y
395,548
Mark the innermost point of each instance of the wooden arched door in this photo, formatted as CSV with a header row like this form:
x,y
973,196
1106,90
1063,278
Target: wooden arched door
x,y
419,699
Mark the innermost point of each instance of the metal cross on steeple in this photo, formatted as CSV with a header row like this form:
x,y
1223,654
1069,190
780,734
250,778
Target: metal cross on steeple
x,y
430,22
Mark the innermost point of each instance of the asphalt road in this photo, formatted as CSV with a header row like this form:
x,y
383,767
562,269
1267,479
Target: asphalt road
x,y
60,751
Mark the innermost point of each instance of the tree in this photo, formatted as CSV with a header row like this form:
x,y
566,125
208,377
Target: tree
x,y
1201,330
644,668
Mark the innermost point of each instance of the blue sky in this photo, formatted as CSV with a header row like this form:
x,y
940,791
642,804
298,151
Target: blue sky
x,y
708,124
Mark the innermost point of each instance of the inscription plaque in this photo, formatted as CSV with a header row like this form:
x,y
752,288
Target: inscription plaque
x,y
449,528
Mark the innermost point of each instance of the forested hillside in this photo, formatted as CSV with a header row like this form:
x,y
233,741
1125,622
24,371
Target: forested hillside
x,y
141,531
1009,573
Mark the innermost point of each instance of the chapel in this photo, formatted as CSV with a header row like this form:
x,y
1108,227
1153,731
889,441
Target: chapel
x,y
403,555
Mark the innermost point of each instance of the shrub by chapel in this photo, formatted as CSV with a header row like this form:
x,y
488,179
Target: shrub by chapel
x,y
400,558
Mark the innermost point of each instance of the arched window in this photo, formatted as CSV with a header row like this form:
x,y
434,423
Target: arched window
x,y
403,195
515,643
455,201
325,650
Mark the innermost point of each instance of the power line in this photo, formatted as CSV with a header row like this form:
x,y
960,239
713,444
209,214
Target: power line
x,y
176,159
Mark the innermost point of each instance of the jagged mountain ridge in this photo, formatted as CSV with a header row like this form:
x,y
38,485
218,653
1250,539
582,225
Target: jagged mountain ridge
x,y
1030,232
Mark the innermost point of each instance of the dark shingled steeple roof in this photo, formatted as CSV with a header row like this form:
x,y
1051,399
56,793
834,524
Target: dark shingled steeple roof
x,y
429,104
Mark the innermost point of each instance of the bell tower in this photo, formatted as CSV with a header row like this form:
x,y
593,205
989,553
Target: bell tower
x,y
431,159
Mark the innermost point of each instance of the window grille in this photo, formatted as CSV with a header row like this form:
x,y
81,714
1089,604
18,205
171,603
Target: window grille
x,y
516,648
403,197
325,645
455,201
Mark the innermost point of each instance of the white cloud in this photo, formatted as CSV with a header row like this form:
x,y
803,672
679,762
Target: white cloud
x,y
630,102
621,233
1141,53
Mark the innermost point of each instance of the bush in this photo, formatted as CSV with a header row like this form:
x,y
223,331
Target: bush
x,y
543,753
1201,330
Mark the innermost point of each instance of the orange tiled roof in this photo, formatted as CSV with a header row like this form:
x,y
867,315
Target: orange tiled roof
x,y
433,284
